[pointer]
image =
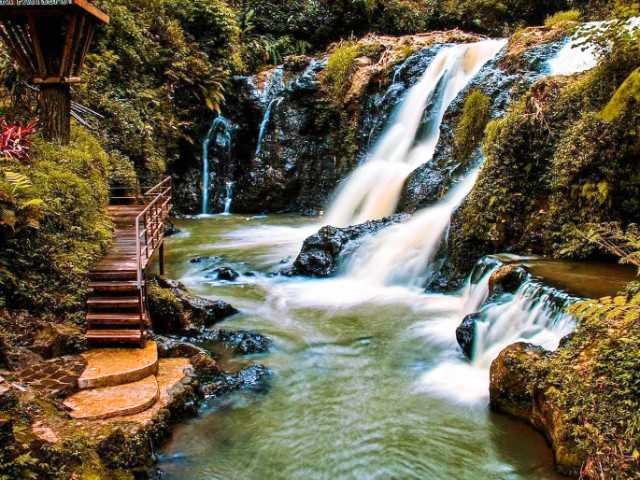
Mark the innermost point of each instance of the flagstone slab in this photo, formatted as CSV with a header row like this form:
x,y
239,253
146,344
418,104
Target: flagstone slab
x,y
115,401
116,366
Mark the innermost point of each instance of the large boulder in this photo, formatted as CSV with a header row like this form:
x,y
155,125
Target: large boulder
x,y
174,310
322,252
57,339
507,279
516,388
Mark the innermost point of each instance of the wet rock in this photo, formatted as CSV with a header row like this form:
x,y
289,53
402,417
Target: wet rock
x,y
202,361
174,310
254,378
170,229
507,279
241,342
465,333
226,273
322,252
515,389
512,374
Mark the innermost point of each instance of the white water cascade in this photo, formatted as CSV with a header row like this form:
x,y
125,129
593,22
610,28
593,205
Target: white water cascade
x,y
401,254
372,191
228,198
220,131
531,314
265,123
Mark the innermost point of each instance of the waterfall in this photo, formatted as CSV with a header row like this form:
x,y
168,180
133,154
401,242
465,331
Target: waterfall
x,y
220,131
228,198
373,190
265,123
535,314
401,254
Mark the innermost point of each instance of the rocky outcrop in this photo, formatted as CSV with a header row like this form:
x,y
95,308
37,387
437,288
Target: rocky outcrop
x,y
238,342
323,252
173,309
254,378
514,389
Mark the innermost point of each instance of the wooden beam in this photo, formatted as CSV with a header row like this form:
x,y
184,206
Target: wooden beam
x,y
77,45
65,61
50,80
37,47
85,47
12,42
98,14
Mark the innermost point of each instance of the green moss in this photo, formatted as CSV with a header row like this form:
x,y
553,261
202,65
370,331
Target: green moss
x,y
470,128
165,307
340,67
626,96
596,376
563,19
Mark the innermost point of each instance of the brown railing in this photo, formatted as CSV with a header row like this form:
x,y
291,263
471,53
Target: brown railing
x,y
150,224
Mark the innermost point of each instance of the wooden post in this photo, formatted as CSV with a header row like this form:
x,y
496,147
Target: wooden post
x,y
55,108
162,256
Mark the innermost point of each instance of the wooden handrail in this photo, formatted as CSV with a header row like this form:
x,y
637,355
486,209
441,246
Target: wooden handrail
x,y
150,223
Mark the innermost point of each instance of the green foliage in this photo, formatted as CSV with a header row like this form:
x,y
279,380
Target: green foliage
x,y
19,209
340,67
563,18
64,190
157,70
470,129
593,381
554,166
628,93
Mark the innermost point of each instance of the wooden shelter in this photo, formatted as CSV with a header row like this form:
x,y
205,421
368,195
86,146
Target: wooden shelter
x,y
49,40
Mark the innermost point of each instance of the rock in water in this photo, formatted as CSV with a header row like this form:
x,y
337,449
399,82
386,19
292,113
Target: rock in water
x,y
465,333
226,273
174,310
322,252
242,342
254,378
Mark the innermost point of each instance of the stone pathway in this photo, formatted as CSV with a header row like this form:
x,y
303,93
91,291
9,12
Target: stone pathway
x,y
123,382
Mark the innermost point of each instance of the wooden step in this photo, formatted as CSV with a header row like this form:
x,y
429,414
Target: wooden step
x,y
114,302
117,286
115,336
115,319
113,275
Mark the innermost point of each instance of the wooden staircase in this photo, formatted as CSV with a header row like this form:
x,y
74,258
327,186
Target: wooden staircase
x,y
116,307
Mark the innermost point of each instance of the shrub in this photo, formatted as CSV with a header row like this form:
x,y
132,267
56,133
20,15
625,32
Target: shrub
x,y
44,269
563,18
339,69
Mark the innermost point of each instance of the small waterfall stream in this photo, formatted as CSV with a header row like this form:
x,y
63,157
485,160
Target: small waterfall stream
x,y
220,133
265,123
228,198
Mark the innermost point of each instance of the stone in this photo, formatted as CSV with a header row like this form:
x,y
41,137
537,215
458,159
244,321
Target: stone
x,y
465,334
253,378
57,339
226,273
114,401
507,279
115,366
242,342
174,310
322,252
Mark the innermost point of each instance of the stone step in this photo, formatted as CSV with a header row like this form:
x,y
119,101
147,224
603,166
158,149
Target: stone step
x,y
132,320
115,401
117,286
115,366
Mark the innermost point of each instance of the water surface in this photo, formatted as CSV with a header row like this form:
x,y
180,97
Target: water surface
x,y
348,398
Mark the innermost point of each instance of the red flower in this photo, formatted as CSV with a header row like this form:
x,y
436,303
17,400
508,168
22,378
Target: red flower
x,y
15,139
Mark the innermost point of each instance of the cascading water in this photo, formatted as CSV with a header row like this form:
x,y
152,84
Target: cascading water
x,y
373,190
228,198
220,132
534,314
265,122
401,254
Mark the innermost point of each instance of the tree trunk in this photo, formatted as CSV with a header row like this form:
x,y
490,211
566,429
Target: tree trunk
x,y
55,112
